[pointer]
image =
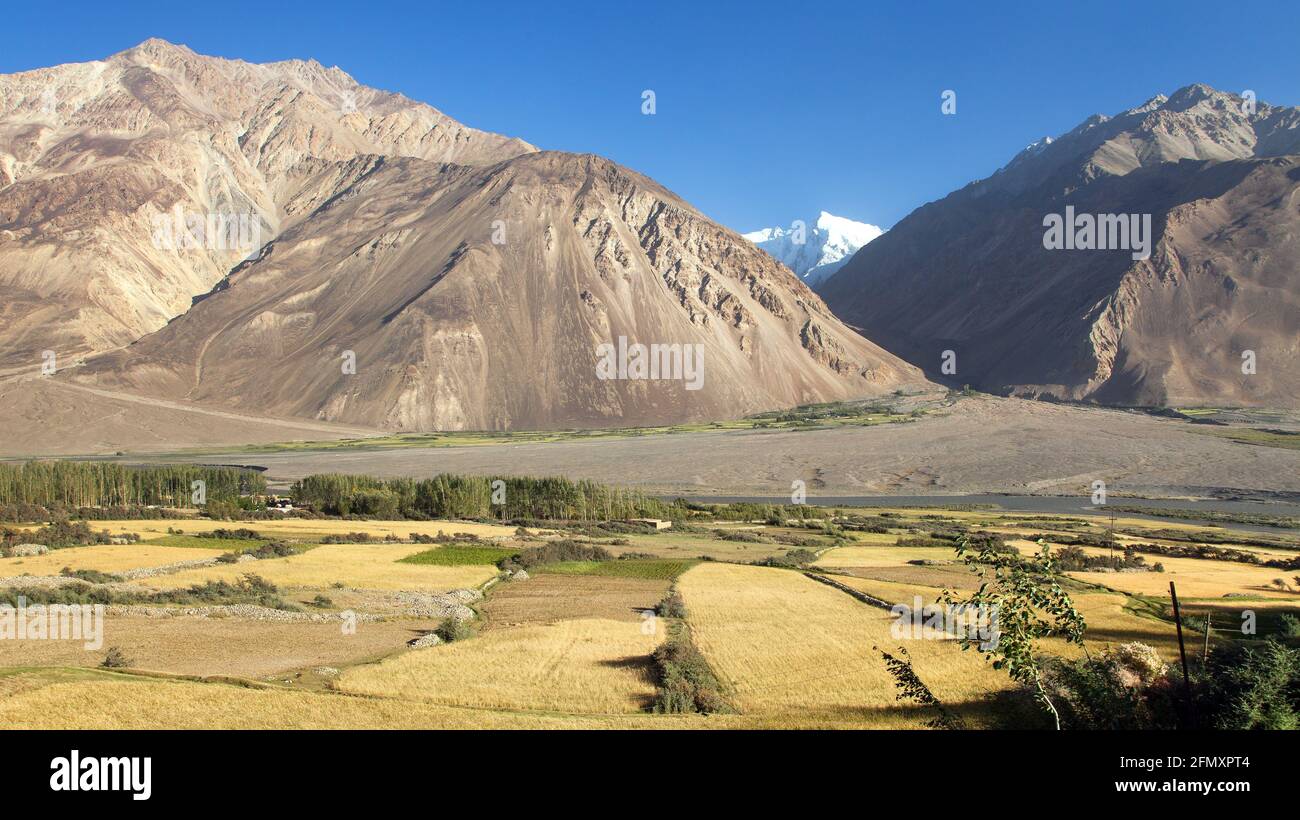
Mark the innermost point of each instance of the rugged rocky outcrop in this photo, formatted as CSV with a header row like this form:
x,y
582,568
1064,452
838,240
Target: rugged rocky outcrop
x,y
94,156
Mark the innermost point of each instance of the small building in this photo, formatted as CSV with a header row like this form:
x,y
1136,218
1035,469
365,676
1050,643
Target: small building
x,y
652,522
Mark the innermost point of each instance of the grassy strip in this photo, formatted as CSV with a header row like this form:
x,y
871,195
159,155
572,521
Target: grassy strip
x,y
636,568
819,416
224,544
1281,439
455,556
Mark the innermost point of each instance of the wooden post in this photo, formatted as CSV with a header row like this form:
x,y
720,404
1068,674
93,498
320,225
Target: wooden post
x,y
1205,654
1182,650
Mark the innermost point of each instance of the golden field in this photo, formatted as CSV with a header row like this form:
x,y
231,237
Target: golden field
x,y
587,666
237,647
884,555
787,645
103,557
564,649
1196,578
114,701
367,566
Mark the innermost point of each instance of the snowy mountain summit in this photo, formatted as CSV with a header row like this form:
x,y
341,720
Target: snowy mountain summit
x,y
816,251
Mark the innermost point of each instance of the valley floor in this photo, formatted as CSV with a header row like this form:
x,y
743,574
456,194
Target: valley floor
x,y
975,445
571,644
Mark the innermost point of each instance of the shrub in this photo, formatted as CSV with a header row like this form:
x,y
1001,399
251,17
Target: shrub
x,y
672,606
1289,625
792,559
1126,688
454,629
686,682
747,536
553,552
349,538
241,533
93,576
1253,687
115,658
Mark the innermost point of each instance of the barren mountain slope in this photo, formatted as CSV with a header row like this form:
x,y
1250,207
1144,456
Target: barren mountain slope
x,y
92,154
970,273
476,298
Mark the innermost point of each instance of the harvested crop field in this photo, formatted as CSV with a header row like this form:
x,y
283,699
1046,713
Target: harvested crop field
x,y
221,646
787,645
365,566
589,666
547,598
882,556
87,700
103,557
1196,578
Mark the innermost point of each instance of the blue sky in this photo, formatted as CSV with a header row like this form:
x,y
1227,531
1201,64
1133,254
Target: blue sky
x,y
766,112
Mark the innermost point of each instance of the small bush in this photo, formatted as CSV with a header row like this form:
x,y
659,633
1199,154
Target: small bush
x,y
793,559
93,576
349,538
672,606
240,534
454,629
1288,625
115,658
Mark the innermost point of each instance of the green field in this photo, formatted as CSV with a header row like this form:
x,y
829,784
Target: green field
x,y
1261,438
632,568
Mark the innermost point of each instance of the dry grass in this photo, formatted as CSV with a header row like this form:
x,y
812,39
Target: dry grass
x,y
955,577
787,645
882,556
84,700
689,546
364,566
221,646
1196,578
105,558
547,598
590,666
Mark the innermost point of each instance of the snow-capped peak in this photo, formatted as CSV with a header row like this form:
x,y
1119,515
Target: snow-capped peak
x,y
816,251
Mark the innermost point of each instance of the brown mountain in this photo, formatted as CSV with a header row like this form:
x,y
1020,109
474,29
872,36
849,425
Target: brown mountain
x,y
453,330
970,273
93,154
471,278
